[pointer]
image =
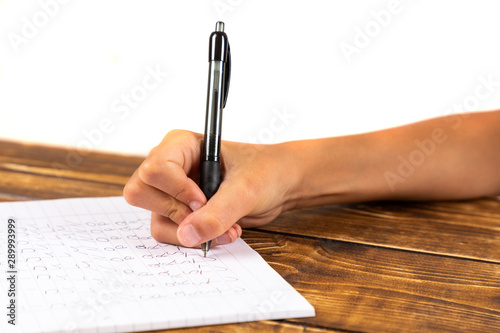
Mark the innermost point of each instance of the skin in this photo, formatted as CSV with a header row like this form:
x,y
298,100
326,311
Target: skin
x,y
446,158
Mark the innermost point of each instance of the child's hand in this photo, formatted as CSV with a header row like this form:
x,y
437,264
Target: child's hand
x,y
253,191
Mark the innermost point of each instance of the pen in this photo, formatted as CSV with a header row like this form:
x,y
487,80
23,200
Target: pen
x,y
219,71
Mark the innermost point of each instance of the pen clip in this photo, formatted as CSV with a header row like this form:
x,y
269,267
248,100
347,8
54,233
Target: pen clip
x,y
227,75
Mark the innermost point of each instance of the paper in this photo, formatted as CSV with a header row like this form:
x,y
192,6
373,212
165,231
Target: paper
x,y
91,265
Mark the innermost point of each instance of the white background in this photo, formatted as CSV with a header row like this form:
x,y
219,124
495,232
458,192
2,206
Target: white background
x,y
65,65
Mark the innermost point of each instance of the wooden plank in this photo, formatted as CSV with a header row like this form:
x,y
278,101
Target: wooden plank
x,y
353,287
469,229
364,288
251,327
30,171
63,163
47,153
64,173
21,186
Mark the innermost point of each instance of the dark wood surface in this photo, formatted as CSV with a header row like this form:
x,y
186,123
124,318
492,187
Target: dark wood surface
x,y
368,267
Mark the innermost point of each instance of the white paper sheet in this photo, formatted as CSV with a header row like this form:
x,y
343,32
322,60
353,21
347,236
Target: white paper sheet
x,y
91,265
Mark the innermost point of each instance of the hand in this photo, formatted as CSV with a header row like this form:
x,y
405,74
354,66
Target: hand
x,y
256,182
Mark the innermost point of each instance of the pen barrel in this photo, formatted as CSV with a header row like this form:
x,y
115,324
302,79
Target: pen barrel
x,y
219,58
213,117
210,177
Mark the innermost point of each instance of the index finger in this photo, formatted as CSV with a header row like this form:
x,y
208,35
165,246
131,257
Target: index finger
x,y
168,165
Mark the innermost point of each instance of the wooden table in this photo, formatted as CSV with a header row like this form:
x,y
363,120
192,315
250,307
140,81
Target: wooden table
x,y
368,267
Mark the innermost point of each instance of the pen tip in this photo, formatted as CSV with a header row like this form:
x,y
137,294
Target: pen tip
x,y
204,253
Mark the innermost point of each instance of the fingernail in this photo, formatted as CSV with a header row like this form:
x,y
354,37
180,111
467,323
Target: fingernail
x,y
224,239
188,236
195,205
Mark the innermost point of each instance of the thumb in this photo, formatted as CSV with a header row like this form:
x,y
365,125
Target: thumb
x,y
228,205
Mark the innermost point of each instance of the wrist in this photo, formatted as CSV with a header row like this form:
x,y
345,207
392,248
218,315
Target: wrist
x,y
332,170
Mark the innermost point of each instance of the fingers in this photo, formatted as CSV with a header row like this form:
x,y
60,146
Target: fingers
x,y
166,185
229,236
168,165
168,176
139,194
161,184
214,220
165,231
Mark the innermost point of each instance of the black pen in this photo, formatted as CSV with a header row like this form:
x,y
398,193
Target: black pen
x,y
219,58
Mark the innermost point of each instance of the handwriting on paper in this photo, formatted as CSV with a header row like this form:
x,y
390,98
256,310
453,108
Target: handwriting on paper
x,y
114,261
90,264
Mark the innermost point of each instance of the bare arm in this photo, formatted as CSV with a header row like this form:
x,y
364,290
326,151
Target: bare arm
x,y
454,157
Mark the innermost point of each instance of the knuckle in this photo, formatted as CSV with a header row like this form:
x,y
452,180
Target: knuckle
x,y
177,135
149,171
174,132
172,210
152,152
132,193
181,193
173,214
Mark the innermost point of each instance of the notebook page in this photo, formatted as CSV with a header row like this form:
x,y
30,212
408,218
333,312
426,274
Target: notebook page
x,y
91,265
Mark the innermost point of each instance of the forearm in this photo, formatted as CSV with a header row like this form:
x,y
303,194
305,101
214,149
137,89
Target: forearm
x,y
456,157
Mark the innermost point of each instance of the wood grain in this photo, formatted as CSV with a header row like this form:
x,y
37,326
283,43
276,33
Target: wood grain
x,y
371,289
26,186
37,172
463,229
367,267
252,327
